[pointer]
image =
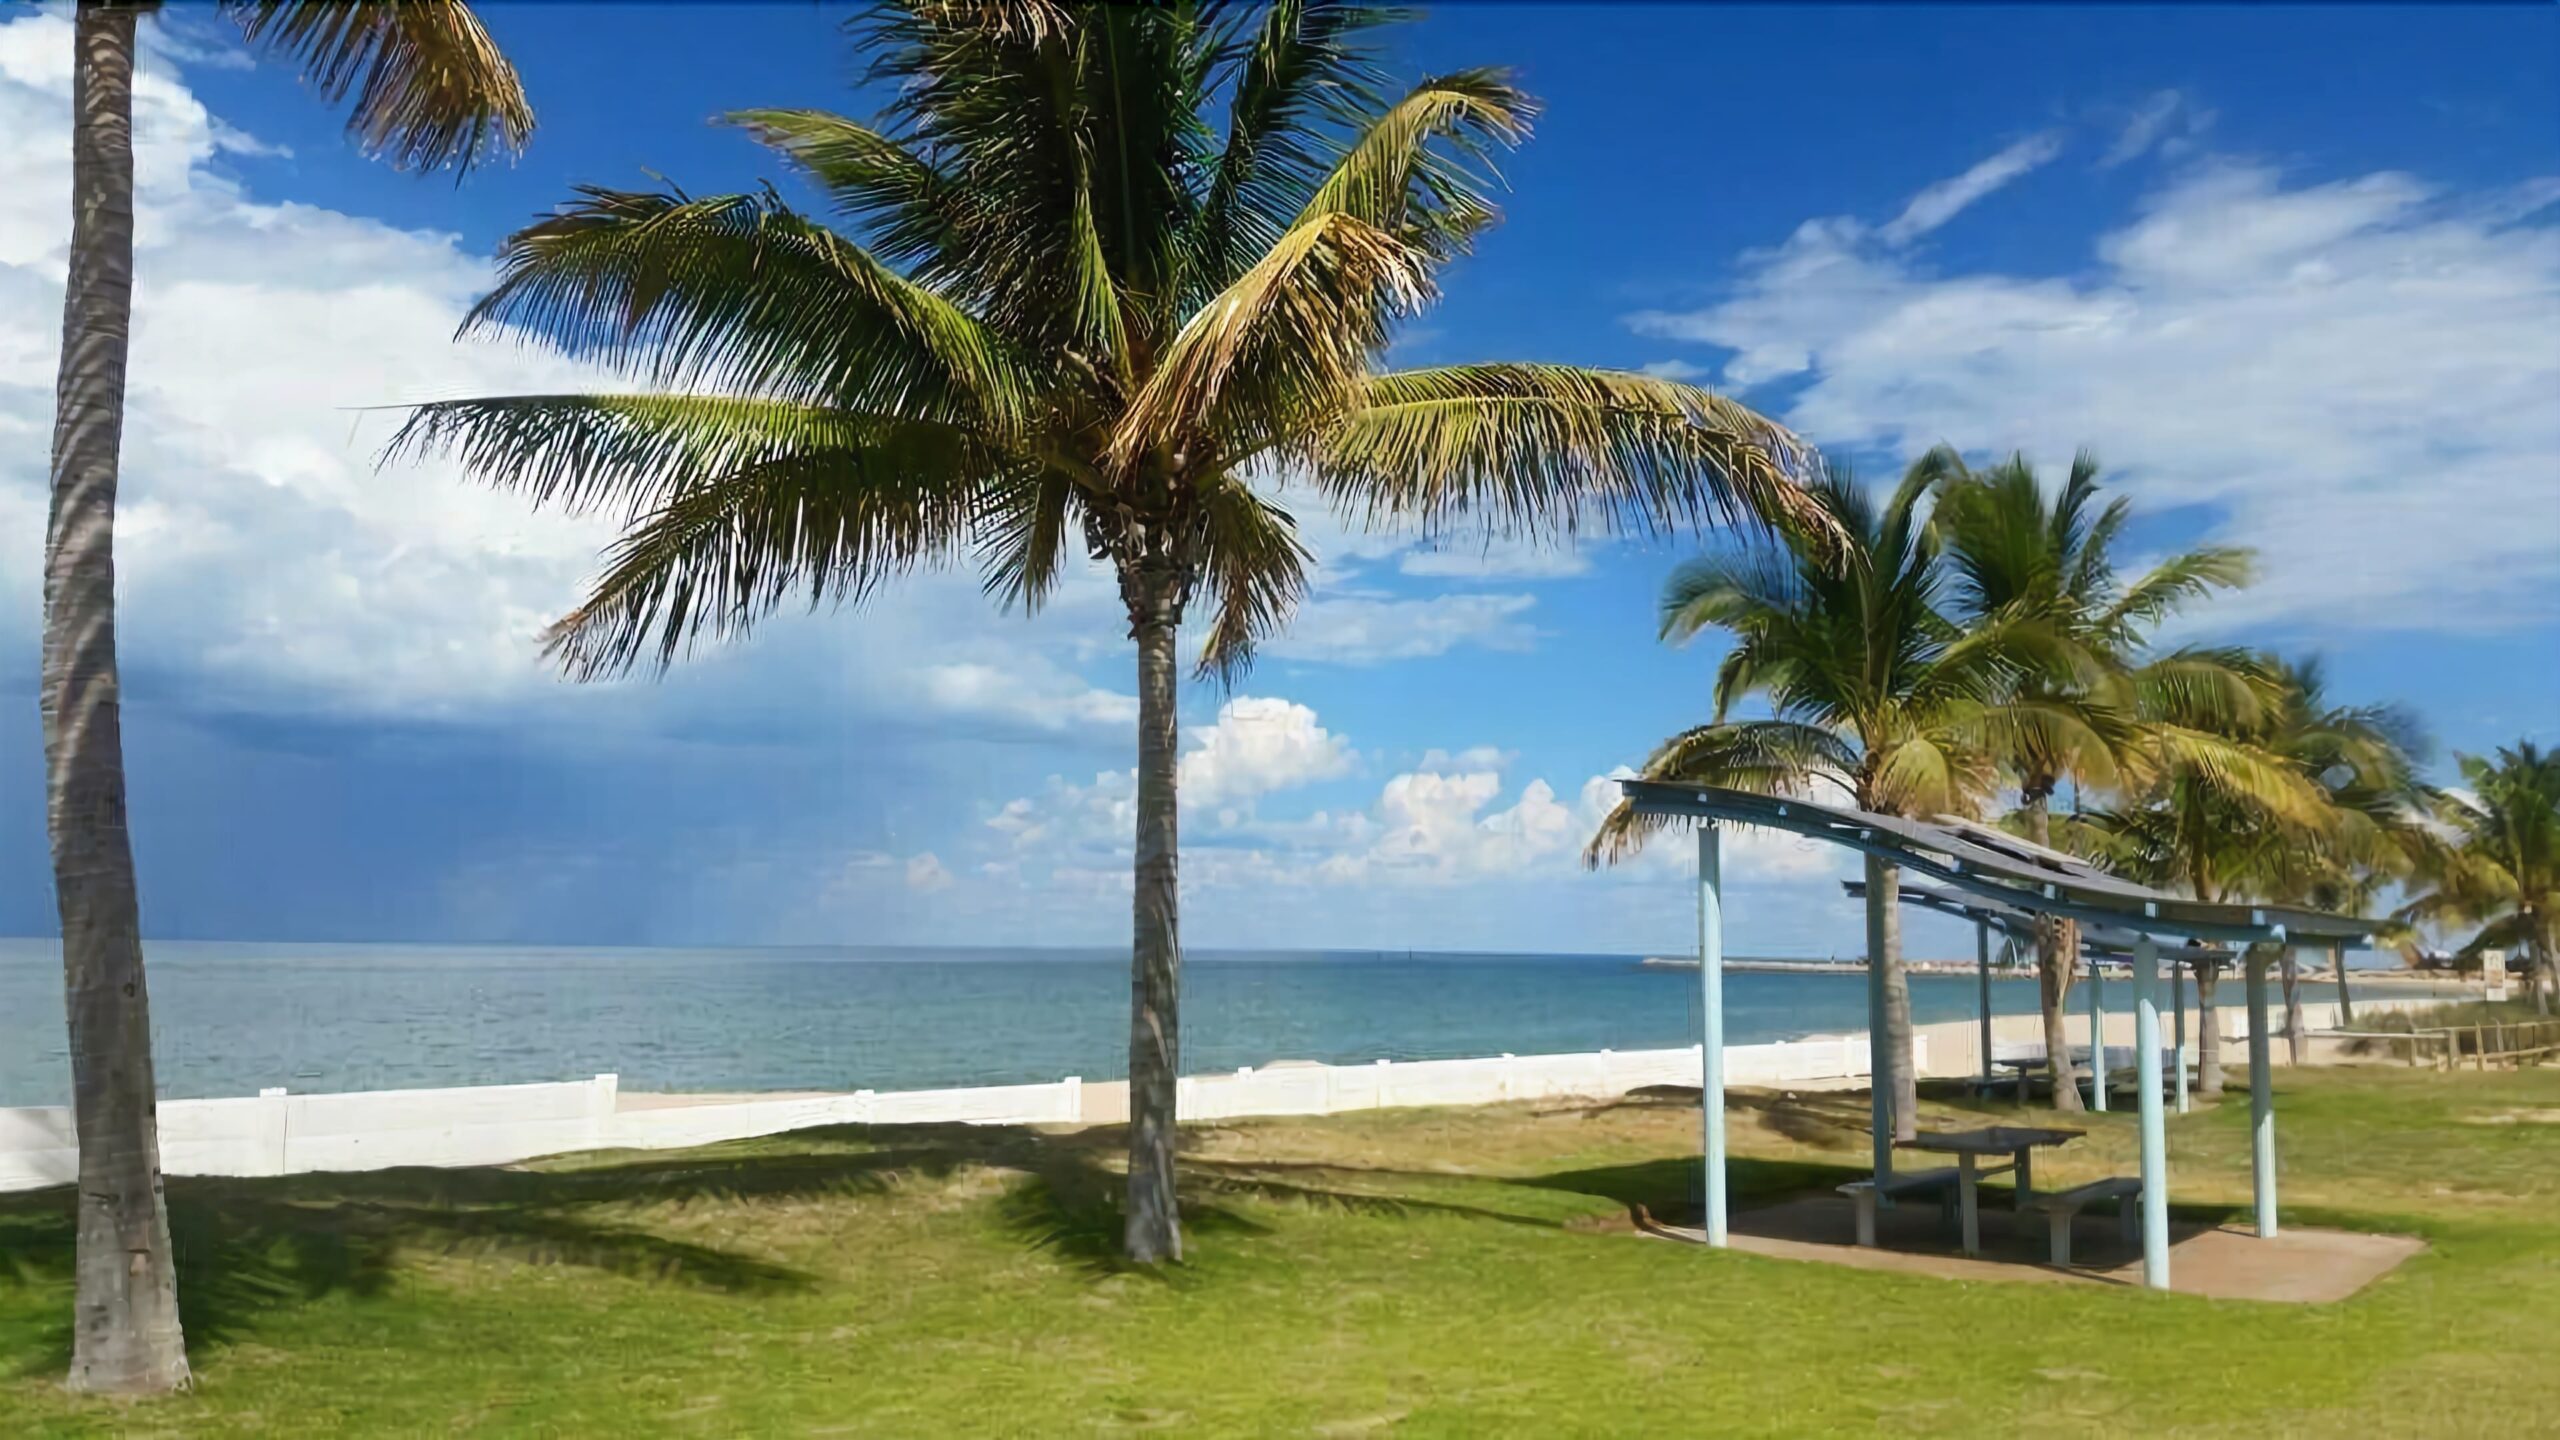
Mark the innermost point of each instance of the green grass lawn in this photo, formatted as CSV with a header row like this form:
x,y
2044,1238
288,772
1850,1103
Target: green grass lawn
x,y
1415,1272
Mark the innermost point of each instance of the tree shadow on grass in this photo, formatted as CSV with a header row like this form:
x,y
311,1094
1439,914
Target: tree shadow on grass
x,y
1657,1193
249,1247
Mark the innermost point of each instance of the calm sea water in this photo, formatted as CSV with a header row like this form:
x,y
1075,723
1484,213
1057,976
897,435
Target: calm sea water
x,y
231,1018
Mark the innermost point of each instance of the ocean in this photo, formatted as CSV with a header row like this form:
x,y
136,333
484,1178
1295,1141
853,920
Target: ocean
x,y
230,1019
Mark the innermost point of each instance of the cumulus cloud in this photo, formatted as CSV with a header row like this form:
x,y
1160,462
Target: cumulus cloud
x,y
2351,374
1257,746
1452,820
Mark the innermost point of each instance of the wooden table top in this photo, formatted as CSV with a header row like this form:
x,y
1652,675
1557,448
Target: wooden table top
x,y
1990,1140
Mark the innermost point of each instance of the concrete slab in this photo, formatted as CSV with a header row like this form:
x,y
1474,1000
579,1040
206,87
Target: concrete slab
x,y
2225,1262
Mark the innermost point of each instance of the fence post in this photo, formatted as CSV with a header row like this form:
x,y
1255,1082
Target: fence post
x,y
1074,1087
603,1099
273,1112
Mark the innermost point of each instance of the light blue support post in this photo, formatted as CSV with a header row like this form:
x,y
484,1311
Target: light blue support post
x,y
2178,1052
1879,1062
2262,1100
2155,1143
1711,1043
2097,1037
1982,986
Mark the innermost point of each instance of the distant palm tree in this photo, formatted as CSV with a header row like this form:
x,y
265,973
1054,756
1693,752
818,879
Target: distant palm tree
x,y
1117,265
429,88
2500,871
2365,761
2203,811
1873,690
2017,552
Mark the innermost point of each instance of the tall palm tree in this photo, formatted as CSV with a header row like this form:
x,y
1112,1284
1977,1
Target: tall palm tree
x,y
1872,689
2017,552
1112,272
2499,871
429,88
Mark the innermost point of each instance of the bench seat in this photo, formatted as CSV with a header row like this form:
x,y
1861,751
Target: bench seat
x,y
2060,1207
1939,1182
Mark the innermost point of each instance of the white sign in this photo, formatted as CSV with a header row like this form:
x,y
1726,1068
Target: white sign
x,y
2493,973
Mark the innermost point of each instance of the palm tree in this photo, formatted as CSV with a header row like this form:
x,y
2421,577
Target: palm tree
x,y
429,88
2204,810
1872,689
2364,759
1114,271
2016,552
2499,871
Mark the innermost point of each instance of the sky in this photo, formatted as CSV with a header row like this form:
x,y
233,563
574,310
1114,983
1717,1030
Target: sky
x,y
2292,273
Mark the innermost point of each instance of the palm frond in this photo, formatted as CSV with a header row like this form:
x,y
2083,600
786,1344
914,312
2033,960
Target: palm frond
x,y
2177,582
1773,757
635,453
1304,77
430,86
1419,170
914,214
740,293
1298,327
721,555
1555,449
1254,568
1023,529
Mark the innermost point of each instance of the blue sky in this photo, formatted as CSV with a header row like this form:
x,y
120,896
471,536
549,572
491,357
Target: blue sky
x,y
2294,272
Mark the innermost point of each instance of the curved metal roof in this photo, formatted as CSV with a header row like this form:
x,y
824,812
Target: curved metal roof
x,y
2019,925
1992,865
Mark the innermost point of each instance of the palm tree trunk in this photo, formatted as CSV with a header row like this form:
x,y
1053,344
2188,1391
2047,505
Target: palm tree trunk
x,y
1154,1226
2056,943
2293,1029
1897,1008
2346,1002
125,1337
2546,970
2208,1031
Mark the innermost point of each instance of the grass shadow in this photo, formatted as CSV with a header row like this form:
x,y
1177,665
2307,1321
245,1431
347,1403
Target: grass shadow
x,y
1656,1193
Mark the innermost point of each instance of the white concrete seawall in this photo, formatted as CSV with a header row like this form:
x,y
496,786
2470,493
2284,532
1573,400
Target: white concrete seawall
x,y
275,1133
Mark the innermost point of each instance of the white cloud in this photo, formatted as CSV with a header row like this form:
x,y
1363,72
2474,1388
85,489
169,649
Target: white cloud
x,y
1442,823
1257,746
925,872
1474,757
2355,374
2167,121
1942,202
1675,369
1043,698
1367,630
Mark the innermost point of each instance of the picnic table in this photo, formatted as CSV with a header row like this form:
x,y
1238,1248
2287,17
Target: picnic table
x,y
2025,1059
1971,1147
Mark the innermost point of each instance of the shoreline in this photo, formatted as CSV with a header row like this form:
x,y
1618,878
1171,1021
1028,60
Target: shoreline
x,y
2447,986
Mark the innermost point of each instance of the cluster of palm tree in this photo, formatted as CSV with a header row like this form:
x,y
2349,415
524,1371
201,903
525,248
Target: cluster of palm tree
x,y
1977,652
2494,863
1102,279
